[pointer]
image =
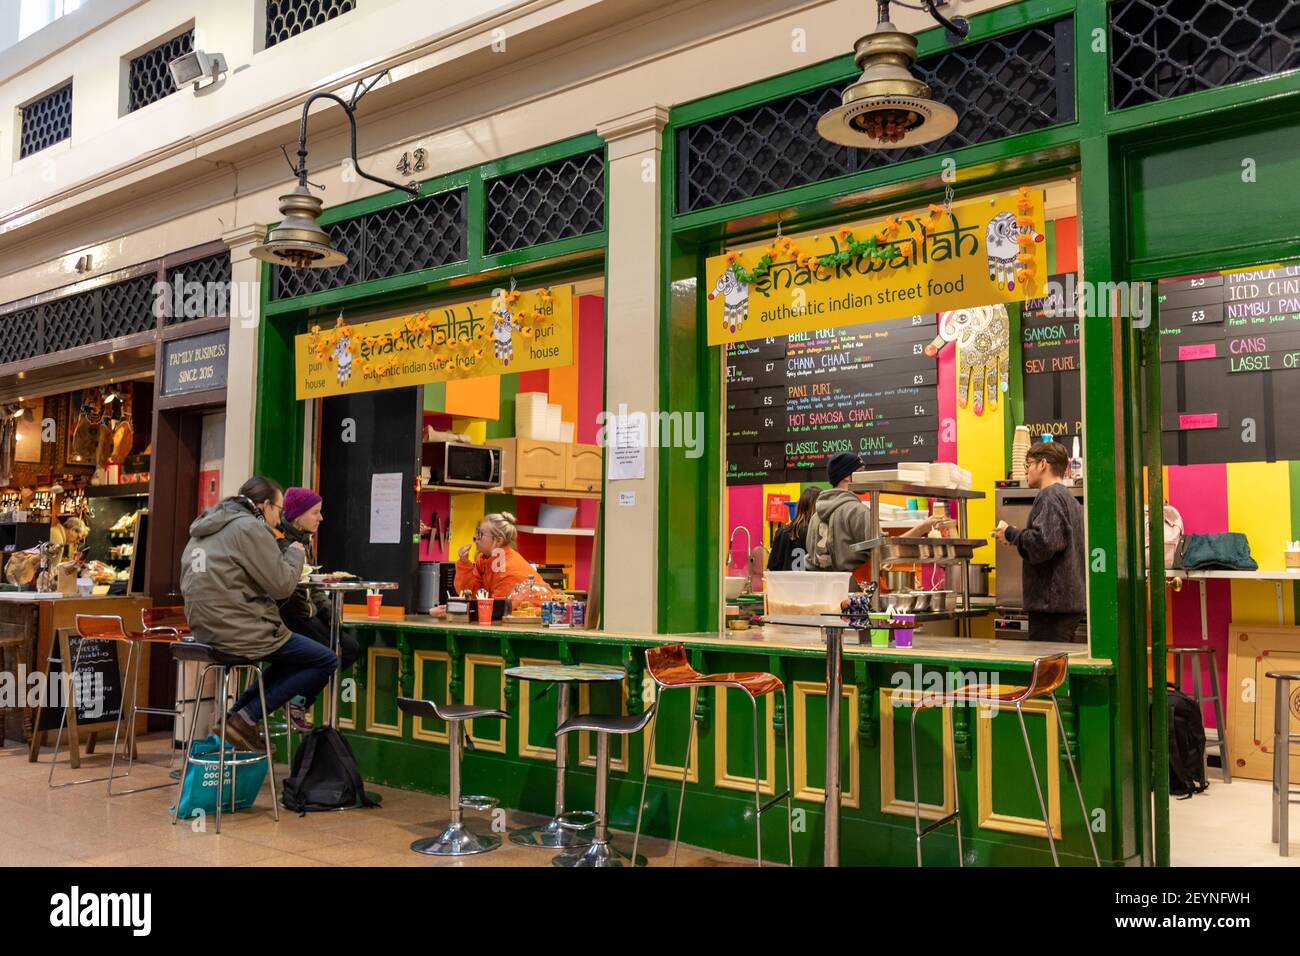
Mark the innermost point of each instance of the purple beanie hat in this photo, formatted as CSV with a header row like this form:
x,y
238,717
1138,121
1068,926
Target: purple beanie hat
x,y
298,500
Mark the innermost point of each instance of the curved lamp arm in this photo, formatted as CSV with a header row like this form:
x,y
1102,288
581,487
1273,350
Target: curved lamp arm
x,y
349,109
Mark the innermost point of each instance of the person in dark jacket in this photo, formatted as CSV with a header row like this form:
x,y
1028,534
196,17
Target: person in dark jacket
x,y
233,576
305,611
789,540
1051,544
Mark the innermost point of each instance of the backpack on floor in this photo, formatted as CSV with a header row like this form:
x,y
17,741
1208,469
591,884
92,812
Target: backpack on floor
x,y
325,775
1186,745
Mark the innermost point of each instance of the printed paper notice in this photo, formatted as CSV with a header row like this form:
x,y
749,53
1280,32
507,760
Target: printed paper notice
x,y
386,508
627,447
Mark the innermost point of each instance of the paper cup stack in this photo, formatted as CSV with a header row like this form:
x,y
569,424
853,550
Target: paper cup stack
x,y
1019,445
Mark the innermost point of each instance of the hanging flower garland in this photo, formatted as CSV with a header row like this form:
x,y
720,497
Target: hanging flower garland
x,y
879,247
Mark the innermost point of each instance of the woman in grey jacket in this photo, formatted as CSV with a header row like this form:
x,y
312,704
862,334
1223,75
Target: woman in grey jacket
x,y
233,573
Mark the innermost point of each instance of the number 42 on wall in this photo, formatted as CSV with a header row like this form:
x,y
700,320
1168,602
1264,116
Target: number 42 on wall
x,y
412,161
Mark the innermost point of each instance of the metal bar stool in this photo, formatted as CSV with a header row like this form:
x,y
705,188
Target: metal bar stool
x,y
1047,675
1220,741
226,665
457,839
600,852
94,627
1285,706
669,667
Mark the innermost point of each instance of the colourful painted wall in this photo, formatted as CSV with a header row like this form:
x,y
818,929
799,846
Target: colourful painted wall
x,y
484,409
1258,499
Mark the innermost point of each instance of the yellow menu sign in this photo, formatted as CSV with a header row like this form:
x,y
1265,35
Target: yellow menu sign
x,y
509,332
982,253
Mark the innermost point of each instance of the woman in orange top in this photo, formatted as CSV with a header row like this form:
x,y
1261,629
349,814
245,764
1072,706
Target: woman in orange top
x,y
499,567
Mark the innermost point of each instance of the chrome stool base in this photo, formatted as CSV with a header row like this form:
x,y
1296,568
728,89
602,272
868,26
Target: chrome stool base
x,y
550,836
598,854
456,840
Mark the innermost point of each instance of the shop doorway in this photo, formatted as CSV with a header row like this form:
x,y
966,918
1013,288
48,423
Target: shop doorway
x,y
1222,453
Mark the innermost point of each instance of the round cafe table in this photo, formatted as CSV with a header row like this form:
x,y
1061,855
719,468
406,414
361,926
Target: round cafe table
x,y
337,591
832,627
551,834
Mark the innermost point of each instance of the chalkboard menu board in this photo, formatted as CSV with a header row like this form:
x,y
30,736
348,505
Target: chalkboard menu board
x,y
1051,378
1230,366
794,401
98,689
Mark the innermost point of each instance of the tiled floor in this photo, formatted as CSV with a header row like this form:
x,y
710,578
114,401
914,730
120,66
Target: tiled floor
x,y
80,826
1228,825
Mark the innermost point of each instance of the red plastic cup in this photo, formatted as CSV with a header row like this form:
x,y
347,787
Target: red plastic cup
x,y
373,604
485,610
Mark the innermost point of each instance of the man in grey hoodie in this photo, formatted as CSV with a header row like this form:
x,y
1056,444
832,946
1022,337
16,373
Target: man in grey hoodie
x,y
842,519
232,576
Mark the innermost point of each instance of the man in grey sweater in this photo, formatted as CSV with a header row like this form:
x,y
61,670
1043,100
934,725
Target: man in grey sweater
x,y
841,519
1051,544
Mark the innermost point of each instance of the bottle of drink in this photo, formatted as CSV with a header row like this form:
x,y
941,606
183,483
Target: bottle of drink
x,y
1076,461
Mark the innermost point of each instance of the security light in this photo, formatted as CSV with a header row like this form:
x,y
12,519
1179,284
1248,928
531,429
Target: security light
x,y
195,66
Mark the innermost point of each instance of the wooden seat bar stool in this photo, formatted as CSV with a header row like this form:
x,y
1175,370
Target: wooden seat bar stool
x,y
456,839
669,667
1048,674
1194,654
104,627
1283,795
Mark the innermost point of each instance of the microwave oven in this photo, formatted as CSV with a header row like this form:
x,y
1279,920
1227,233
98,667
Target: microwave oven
x,y
464,465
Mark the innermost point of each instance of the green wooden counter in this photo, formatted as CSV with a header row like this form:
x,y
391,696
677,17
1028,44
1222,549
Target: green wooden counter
x,y
514,760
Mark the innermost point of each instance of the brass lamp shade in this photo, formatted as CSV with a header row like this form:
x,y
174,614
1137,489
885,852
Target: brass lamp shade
x,y
298,241
887,108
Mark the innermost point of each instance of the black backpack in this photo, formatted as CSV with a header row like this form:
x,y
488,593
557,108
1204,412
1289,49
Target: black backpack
x,y
1186,745
325,775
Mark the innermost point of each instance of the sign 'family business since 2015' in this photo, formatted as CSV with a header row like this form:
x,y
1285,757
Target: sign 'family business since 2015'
x,y
984,252
196,364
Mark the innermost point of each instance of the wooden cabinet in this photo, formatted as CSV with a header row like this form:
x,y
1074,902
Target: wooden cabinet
x,y
583,472
529,463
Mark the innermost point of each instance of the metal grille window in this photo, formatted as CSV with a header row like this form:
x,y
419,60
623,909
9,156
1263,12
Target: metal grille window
x,y
1011,84
71,322
46,121
150,80
127,307
556,201
20,336
1164,48
287,18
208,280
388,242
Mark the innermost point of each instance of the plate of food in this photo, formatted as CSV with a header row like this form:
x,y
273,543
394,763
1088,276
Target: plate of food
x,y
332,577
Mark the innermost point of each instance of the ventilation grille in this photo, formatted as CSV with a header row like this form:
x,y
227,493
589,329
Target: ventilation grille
x,y
87,318
46,122
557,201
150,79
210,273
127,307
21,334
288,18
388,242
1165,48
1012,84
